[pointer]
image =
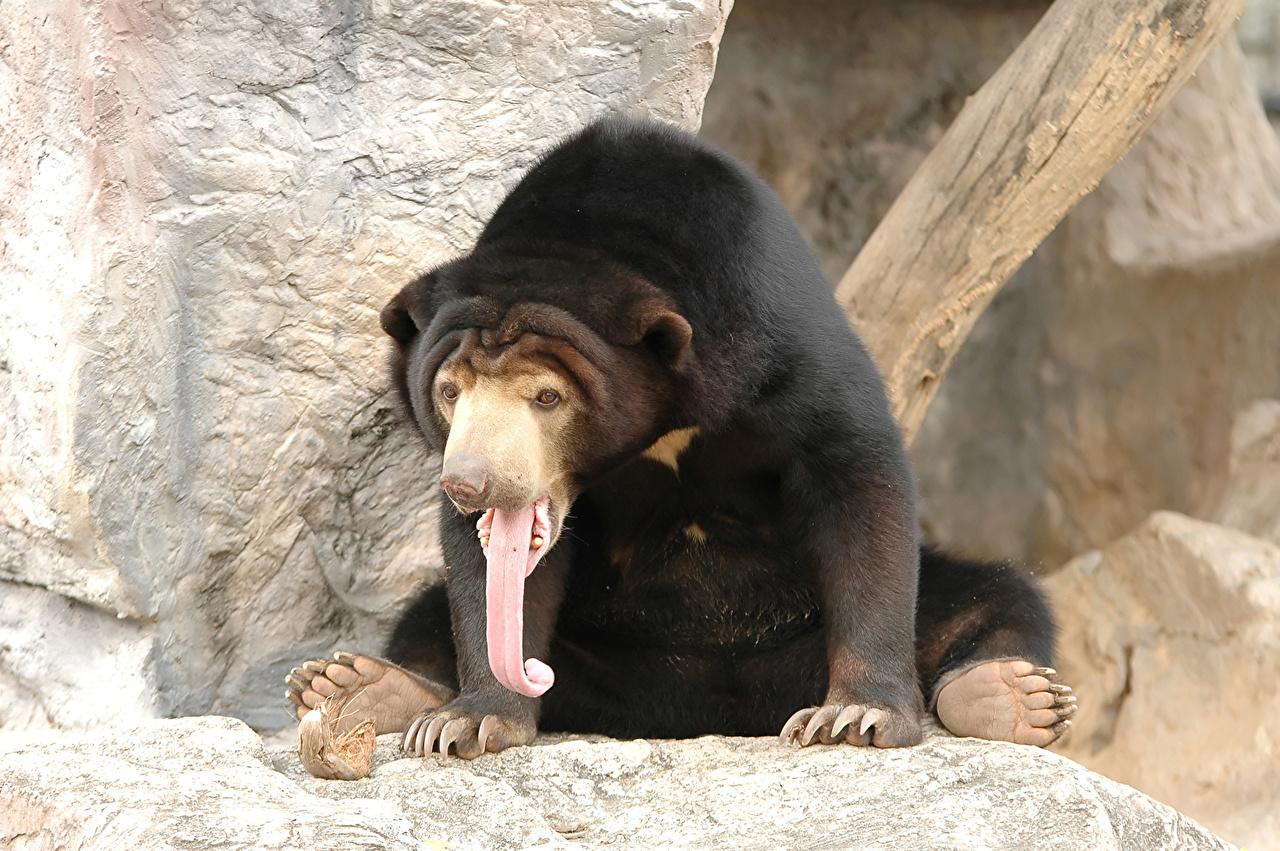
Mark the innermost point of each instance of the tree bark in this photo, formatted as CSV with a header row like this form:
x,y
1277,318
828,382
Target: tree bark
x,y
1037,137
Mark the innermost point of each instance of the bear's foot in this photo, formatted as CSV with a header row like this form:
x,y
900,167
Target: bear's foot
x,y
344,703
368,688
852,723
1010,700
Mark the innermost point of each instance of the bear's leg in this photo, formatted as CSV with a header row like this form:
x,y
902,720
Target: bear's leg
x,y
984,643
487,716
859,537
374,689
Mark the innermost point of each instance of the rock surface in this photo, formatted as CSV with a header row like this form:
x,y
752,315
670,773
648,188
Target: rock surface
x,y
1251,495
206,204
1171,639
209,782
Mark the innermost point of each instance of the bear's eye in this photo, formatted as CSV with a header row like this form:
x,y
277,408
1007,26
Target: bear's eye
x,y
547,398
449,391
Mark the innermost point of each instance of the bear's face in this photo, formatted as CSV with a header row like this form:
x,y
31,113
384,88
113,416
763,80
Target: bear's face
x,y
532,390
514,423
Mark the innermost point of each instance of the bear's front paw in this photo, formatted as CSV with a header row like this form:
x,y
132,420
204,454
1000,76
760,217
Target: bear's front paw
x,y
855,723
467,730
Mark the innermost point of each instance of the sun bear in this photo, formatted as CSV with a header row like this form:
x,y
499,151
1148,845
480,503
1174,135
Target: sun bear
x,y
674,499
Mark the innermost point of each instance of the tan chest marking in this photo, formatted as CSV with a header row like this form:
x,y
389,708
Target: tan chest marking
x,y
666,449
696,533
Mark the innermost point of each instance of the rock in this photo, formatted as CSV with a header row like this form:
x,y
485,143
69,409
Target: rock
x,y
206,204
1171,639
209,782
1260,36
1174,206
61,659
1251,494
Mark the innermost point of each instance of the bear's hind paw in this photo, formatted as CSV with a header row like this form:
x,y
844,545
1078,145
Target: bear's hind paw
x,y
1009,700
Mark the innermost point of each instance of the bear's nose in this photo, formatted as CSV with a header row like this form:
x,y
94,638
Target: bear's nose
x,y
465,478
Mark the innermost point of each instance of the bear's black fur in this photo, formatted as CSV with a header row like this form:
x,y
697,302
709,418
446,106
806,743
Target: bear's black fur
x,y
778,566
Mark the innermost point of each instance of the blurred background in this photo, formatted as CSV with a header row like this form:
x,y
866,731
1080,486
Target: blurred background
x,y
204,478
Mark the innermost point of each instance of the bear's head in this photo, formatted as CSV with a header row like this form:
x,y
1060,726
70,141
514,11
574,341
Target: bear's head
x,y
535,372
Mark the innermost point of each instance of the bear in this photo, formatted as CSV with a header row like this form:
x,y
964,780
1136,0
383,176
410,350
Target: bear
x,y
674,499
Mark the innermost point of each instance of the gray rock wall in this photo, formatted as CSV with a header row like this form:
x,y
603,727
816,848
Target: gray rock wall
x,y
206,204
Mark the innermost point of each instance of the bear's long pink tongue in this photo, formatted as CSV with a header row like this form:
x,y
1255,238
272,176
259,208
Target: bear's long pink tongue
x,y
511,558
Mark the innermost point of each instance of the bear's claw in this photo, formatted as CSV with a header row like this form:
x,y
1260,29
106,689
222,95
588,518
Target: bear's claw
x,y
854,723
467,733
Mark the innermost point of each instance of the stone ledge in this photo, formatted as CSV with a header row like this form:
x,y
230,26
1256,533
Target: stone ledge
x,y
212,782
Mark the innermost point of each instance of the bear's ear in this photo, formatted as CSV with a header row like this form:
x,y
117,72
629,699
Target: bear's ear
x,y
408,312
667,333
